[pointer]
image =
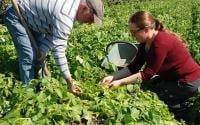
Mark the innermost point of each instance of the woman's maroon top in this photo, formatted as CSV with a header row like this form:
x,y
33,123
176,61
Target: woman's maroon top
x,y
167,57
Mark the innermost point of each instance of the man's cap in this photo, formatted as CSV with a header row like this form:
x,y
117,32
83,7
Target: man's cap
x,y
98,9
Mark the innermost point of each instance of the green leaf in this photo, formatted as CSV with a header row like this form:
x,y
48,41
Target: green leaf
x,y
59,92
14,113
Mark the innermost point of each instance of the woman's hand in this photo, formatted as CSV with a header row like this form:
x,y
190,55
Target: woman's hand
x,y
107,80
115,84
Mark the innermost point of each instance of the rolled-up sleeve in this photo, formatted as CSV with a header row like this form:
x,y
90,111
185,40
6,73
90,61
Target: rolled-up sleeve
x,y
61,30
60,58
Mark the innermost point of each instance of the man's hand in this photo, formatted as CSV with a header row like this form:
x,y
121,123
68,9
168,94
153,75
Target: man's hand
x,y
40,57
73,88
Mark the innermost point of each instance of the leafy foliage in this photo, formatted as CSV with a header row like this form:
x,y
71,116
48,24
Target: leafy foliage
x,y
53,104
3,5
194,35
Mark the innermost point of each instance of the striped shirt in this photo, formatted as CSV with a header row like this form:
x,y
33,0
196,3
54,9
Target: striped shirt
x,y
54,19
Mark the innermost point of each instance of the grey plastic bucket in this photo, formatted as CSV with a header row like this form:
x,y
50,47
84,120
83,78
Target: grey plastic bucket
x,y
120,54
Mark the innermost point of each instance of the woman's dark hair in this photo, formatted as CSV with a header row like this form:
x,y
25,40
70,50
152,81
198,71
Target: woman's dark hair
x,y
144,19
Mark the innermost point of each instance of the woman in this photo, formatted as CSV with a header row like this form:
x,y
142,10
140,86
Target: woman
x,y
165,56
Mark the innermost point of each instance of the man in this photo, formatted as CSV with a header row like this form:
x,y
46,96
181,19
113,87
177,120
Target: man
x,y
51,22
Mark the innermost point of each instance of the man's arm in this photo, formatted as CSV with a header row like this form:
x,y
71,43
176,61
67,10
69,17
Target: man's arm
x,y
61,60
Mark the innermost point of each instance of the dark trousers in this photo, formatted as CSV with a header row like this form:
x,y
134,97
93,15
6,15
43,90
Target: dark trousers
x,y
177,96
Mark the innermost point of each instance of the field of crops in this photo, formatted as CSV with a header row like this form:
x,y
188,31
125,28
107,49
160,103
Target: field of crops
x,y
128,105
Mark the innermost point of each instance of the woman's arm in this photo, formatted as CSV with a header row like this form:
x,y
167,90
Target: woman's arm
x,y
127,80
125,72
131,79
